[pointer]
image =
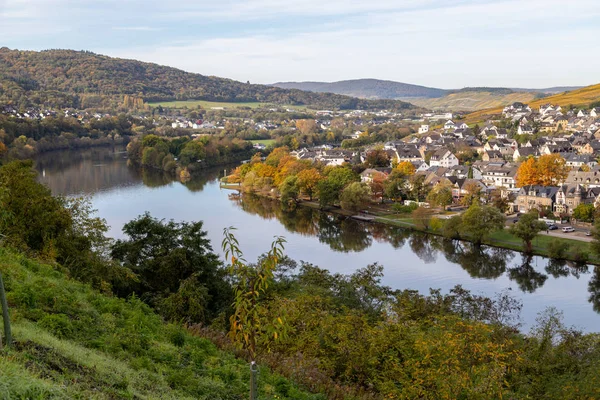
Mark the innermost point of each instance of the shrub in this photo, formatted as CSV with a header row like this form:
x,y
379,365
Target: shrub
x,y
402,209
557,249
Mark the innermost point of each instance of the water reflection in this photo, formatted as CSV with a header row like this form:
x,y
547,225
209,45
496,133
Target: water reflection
x,y
94,170
344,234
412,259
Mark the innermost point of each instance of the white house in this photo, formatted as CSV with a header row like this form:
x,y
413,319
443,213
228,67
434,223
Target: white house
x,y
449,125
423,129
443,158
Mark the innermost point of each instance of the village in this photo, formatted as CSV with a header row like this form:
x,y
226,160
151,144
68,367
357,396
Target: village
x,y
488,158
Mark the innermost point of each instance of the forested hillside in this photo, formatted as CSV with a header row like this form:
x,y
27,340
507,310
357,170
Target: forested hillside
x,y
367,88
81,79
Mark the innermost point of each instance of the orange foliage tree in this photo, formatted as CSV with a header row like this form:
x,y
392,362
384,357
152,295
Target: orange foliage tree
x,y
548,170
308,180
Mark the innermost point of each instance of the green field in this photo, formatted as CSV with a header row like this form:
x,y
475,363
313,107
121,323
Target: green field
x,y
191,104
266,142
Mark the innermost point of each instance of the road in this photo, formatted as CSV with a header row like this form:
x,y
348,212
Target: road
x,y
579,233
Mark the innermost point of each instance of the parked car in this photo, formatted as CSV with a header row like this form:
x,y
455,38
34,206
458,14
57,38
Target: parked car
x,y
552,227
567,229
588,233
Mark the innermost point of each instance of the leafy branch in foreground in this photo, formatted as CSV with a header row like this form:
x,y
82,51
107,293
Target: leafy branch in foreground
x,y
249,327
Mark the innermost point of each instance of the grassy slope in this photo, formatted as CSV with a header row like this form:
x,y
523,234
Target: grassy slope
x,y
470,101
73,342
218,104
579,97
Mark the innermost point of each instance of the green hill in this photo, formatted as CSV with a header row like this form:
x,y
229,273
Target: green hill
x,y
366,88
66,78
74,342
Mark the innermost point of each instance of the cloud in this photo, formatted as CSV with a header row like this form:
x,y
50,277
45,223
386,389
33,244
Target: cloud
x,y
135,28
445,43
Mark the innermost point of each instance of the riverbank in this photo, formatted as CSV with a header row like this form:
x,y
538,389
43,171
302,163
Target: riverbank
x,y
579,249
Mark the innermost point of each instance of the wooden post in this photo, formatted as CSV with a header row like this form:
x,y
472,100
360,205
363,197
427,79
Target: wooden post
x,y
253,381
3,302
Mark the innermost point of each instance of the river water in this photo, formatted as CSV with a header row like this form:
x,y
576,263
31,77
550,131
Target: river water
x,y
121,192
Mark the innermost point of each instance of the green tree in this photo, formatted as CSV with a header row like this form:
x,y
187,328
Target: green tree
x,y
288,191
394,185
418,188
527,228
331,187
162,255
478,222
584,212
452,227
355,196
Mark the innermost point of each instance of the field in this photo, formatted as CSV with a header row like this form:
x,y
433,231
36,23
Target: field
x,y
266,142
471,101
191,104
579,97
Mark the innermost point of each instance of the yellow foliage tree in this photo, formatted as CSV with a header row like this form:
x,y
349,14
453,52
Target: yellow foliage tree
x,y
406,168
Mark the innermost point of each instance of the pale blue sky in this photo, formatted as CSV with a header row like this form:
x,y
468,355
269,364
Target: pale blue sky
x,y
441,43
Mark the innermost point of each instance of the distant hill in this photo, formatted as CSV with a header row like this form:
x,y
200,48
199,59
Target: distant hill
x,y
67,78
366,88
582,97
465,99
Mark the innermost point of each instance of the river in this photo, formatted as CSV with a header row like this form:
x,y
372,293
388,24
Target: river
x,y
121,192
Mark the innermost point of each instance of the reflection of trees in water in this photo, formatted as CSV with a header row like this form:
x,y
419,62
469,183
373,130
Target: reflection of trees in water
x,y
85,171
562,268
422,245
594,289
528,279
343,234
478,261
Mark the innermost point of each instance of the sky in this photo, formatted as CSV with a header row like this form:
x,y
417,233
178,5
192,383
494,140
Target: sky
x,y
439,43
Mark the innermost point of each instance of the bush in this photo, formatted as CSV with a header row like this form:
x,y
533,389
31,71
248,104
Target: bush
x,y
402,209
557,249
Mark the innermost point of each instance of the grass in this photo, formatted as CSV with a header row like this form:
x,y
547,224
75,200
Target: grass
x,y
266,142
205,104
578,97
505,240
74,342
191,104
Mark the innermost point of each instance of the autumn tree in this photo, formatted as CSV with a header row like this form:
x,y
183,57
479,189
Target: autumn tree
x,y
377,159
527,228
548,170
249,329
308,180
377,185
421,218
440,196
395,185
472,194
306,126
406,168
552,169
527,173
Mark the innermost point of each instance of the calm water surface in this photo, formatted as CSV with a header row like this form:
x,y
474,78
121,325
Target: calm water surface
x,y
412,261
